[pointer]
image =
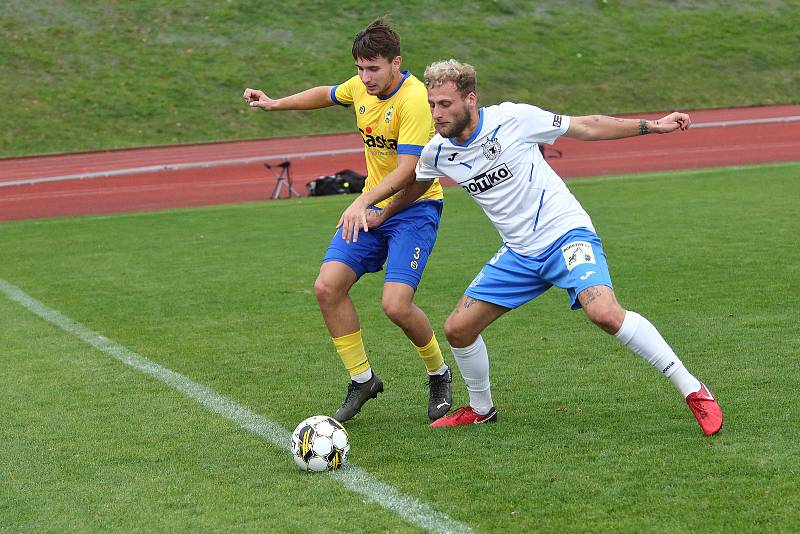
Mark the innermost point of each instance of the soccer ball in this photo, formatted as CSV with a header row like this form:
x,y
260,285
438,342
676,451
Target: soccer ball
x,y
320,443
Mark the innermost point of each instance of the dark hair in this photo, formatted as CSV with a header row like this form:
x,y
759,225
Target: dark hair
x,y
376,40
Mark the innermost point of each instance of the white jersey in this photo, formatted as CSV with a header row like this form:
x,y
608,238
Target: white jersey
x,y
501,166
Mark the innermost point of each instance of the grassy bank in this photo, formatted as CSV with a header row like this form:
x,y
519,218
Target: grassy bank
x,y
91,75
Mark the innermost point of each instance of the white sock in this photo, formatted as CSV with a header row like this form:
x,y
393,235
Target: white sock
x,y
366,376
473,362
440,371
642,338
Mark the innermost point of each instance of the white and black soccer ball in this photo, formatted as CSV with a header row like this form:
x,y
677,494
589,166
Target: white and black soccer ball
x,y
320,443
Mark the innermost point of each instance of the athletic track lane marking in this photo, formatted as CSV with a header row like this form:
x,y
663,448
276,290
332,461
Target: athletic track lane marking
x,y
319,153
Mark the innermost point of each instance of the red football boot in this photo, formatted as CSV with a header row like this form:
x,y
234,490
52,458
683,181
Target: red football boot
x,y
706,410
465,416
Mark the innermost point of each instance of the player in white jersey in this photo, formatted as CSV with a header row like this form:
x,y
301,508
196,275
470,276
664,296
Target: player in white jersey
x,y
548,238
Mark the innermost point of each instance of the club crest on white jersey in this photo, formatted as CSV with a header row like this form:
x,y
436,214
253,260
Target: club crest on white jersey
x,y
491,148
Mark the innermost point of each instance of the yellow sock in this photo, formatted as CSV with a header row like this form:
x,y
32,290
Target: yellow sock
x,y
351,351
431,354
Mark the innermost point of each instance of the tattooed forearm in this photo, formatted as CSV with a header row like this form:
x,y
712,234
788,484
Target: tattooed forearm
x,y
395,204
643,129
598,118
397,196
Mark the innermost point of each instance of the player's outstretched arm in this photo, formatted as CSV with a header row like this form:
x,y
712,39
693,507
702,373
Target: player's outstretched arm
x,y
314,98
354,217
601,127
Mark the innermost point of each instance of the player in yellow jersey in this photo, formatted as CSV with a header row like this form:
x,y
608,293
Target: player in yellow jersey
x,y
394,118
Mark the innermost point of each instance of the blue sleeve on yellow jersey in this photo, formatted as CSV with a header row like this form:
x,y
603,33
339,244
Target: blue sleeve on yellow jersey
x,y
416,123
414,150
334,99
347,91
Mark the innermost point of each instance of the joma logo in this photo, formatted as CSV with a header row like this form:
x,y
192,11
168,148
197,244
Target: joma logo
x,y
487,180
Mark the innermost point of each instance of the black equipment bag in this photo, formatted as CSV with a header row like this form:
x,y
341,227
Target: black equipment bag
x,y
344,181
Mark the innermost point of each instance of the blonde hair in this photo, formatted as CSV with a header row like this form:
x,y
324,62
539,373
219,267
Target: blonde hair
x,y
461,74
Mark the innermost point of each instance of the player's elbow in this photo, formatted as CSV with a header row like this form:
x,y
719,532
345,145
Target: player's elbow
x,y
584,128
408,174
409,178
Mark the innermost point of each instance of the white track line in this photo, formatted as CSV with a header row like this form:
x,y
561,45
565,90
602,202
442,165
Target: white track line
x,y
319,153
743,122
357,480
133,189
182,166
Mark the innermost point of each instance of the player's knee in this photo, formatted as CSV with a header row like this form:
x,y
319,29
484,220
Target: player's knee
x,y
325,291
608,318
457,335
396,310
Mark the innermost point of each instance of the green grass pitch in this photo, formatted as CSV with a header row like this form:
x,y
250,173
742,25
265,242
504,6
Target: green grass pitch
x,y
589,438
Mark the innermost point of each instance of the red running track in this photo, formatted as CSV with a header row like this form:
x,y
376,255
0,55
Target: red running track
x,y
231,172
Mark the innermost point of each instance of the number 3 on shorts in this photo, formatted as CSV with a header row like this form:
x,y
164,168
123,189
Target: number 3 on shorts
x,y
497,256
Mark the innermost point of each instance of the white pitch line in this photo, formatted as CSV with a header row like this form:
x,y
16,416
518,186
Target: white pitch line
x,y
357,480
319,153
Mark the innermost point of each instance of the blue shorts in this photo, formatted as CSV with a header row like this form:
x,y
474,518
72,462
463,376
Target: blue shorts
x,y
575,262
404,243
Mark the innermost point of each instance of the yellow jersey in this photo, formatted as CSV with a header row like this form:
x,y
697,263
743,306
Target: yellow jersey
x,y
397,123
